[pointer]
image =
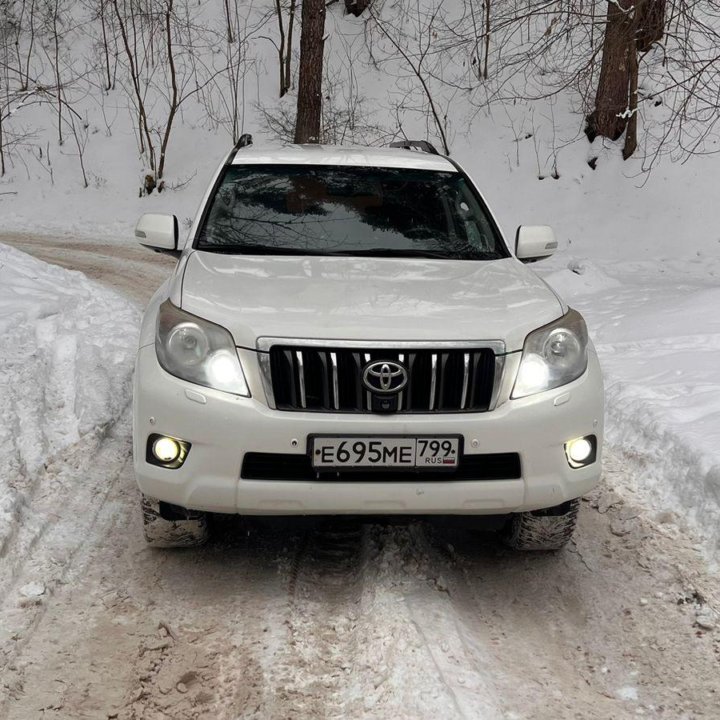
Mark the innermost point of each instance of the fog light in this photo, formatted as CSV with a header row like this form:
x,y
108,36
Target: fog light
x,y
166,452
581,451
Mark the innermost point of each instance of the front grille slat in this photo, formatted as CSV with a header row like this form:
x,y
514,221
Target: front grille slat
x,y
466,379
330,379
368,396
401,358
301,377
356,380
335,387
409,391
433,380
476,381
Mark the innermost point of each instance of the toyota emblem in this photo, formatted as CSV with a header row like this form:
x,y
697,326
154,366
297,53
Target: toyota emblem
x,y
385,377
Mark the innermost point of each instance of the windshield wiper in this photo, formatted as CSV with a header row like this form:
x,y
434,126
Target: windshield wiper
x,y
399,253
250,249
257,249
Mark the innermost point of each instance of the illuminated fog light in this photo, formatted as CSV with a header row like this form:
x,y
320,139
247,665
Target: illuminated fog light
x,y
581,451
166,452
166,449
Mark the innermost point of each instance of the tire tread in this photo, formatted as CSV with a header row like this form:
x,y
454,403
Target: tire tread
x,y
162,533
542,531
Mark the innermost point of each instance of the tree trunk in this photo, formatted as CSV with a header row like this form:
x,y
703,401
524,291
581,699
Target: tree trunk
x,y
2,152
228,22
631,129
650,21
611,100
288,49
56,40
106,49
174,98
309,102
487,39
281,47
143,126
356,7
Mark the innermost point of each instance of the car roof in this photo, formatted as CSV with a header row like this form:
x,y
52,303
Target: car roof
x,y
351,156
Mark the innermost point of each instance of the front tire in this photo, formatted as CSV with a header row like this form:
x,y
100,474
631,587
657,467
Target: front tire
x,y
547,529
172,526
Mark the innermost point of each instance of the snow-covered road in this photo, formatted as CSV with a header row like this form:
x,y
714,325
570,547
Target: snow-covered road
x,y
342,619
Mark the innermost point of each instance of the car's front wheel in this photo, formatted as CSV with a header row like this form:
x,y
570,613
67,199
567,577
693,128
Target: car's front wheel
x,y
547,529
168,526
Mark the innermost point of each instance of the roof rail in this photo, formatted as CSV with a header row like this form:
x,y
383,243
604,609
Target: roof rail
x,y
422,145
243,141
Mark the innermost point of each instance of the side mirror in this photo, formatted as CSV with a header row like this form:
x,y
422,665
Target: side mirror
x,y
534,242
159,232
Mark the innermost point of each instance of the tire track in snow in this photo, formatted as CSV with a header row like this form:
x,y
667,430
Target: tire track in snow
x,y
409,656
595,627
325,581
469,672
521,636
68,509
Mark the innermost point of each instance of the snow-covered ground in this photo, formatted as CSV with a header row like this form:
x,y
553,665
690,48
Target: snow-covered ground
x,y
657,330
65,373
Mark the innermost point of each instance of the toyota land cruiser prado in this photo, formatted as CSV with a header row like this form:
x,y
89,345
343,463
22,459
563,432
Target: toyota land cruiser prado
x,y
347,332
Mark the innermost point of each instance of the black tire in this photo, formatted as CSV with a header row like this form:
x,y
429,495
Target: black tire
x,y
548,529
186,528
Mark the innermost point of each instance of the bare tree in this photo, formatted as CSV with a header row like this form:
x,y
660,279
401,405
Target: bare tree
x,y
55,60
285,46
107,31
175,98
25,27
79,134
226,106
486,4
416,55
127,22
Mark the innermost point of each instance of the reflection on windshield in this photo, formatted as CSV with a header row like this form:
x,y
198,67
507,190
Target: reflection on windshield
x,y
329,210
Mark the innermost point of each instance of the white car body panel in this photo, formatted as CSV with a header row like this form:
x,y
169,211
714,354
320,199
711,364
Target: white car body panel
x,y
367,298
224,427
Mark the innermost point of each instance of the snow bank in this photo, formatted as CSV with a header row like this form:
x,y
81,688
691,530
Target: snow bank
x,y
657,332
66,362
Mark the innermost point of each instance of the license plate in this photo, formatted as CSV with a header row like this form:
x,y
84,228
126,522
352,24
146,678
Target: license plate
x,y
423,453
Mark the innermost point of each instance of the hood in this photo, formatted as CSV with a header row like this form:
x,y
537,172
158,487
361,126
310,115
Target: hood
x,y
351,298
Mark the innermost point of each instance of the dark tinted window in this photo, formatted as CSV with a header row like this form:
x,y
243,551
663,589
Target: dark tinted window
x,y
331,210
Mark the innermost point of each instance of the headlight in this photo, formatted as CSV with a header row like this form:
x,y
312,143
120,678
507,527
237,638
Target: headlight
x,y
552,356
198,351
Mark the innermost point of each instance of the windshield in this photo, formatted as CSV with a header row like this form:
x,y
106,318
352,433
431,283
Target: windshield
x,y
356,211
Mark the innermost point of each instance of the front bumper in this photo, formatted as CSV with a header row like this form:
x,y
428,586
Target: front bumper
x,y
223,427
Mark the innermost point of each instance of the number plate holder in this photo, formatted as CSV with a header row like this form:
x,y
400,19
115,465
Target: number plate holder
x,y
385,452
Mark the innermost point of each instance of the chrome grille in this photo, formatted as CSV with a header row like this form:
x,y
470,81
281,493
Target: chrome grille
x,y
327,378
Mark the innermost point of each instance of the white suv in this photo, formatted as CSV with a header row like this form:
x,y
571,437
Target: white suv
x,y
347,332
